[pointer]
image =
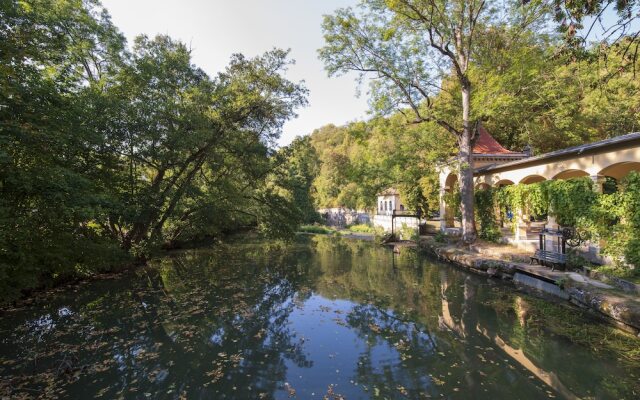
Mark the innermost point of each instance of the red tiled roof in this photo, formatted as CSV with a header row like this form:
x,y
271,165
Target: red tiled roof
x,y
486,144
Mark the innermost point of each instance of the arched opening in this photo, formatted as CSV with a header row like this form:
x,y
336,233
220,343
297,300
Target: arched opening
x,y
450,182
483,186
570,174
504,182
508,213
620,170
532,179
527,215
616,172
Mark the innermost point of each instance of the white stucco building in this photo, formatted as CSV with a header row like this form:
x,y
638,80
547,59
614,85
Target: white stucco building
x,y
389,201
391,213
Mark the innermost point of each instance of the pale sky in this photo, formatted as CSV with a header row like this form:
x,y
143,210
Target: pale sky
x,y
215,29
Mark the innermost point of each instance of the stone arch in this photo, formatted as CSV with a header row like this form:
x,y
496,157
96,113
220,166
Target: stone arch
x,y
450,182
620,170
570,174
532,179
504,182
483,186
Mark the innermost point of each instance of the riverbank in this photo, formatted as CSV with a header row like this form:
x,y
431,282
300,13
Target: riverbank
x,y
611,304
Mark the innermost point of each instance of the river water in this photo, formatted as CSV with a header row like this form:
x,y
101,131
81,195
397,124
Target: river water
x,y
322,317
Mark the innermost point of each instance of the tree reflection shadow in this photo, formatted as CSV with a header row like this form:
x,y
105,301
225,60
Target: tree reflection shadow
x,y
223,323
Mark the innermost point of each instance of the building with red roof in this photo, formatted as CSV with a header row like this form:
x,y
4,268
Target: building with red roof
x,y
487,151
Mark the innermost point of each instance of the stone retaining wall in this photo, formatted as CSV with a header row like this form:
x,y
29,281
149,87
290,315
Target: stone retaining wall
x,y
619,309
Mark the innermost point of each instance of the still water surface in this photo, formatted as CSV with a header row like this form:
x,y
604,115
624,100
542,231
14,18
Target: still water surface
x,y
320,318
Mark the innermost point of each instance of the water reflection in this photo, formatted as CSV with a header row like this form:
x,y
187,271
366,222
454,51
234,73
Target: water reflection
x,y
320,317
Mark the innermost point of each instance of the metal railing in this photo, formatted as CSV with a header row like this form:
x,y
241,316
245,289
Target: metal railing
x,y
397,213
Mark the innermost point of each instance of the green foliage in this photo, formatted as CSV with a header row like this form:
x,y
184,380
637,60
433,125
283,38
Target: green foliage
x,y
613,218
566,199
440,237
453,200
527,92
486,216
359,160
108,153
570,200
408,233
576,261
362,228
315,229
300,166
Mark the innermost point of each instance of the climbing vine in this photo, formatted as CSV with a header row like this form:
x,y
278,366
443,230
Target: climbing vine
x,y
570,200
613,217
453,200
486,215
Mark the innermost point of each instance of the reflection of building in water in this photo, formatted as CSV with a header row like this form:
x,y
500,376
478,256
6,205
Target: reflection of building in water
x,y
549,378
446,319
449,321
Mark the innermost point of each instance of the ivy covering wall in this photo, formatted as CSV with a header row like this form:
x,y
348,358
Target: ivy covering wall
x,y
611,219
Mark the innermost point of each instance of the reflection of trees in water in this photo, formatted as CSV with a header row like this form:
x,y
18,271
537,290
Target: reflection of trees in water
x,y
204,322
201,323
444,302
408,372
246,309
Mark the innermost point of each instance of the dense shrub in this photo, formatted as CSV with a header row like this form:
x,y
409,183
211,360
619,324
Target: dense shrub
x,y
486,216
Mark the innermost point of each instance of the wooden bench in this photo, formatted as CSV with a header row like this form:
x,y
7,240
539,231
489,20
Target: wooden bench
x,y
552,258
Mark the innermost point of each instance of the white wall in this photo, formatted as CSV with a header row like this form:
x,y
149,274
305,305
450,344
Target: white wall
x,y
384,221
395,204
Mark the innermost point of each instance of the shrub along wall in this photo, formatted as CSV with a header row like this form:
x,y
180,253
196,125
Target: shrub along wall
x,y
613,219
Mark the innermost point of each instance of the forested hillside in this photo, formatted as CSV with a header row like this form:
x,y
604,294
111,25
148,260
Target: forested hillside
x,y
527,93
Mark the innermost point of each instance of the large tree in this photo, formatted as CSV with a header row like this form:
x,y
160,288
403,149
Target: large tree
x,y
611,23
178,132
411,47
105,151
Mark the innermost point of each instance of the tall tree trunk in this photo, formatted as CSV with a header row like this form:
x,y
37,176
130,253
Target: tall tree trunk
x,y
466,169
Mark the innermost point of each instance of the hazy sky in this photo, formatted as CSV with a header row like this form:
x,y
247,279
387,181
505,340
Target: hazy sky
x,y
217,28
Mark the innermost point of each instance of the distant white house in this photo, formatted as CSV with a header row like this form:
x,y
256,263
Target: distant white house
x,y
391,213
389,201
